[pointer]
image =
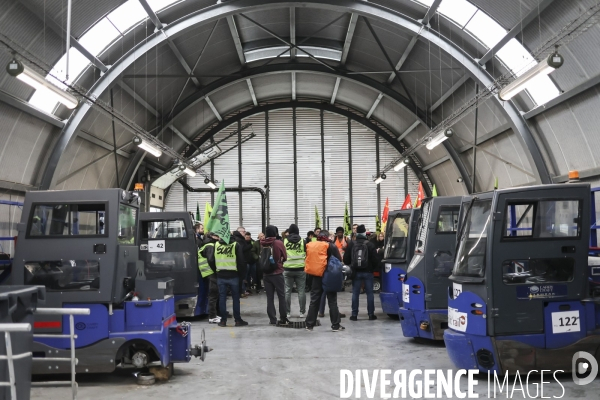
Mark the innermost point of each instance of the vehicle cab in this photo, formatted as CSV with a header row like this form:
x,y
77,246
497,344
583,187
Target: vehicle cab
x,y
400,236
169,249
519,299
424,309
82,246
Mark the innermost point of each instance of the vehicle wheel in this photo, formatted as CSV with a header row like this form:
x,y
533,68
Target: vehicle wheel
x,y
376,285
393,316
145,378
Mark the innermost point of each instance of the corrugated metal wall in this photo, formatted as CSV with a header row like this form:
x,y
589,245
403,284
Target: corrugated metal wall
x,y
282,207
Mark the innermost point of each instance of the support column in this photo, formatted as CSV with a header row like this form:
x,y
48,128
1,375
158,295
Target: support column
x,y
241,218
474,177
378,172
351,210
114,140
212,178
267,166
405,184
294,135
323,166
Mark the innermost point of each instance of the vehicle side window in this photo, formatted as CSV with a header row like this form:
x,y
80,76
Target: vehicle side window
x,y
173,229
127,224
52,220
447,221
538,270
543,219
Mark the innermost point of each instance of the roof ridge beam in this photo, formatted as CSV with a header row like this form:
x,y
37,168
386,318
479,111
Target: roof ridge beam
x,y
236,39
349,36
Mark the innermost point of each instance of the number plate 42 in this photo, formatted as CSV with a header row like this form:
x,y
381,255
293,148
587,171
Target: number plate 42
x,y
565,322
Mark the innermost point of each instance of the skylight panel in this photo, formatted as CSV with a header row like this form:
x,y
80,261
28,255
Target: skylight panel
x,y
44,101
99,36
516,57
542,89
459,11
484,28
127,15
77,64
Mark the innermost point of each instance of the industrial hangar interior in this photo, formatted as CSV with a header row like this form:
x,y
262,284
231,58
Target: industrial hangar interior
x,y
451,140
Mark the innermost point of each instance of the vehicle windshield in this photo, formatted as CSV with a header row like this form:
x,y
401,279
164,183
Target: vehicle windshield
x,y
470,259
397,237
423,225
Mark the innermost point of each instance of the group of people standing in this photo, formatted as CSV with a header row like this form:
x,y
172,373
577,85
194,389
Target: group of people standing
x,y
283,263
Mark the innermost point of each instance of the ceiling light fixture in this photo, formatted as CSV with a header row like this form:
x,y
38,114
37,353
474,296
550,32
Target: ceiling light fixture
x,y
209,183
545,67
155,151
380,179
439,138
401,164
187,170
27,75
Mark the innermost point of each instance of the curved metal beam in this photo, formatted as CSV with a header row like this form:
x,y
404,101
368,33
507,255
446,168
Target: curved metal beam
x,y
286,68
225,9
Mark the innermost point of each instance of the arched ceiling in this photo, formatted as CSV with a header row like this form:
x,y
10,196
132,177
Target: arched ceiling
x,y
148,74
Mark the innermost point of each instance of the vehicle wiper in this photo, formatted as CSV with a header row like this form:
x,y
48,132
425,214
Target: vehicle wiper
x,y
463,224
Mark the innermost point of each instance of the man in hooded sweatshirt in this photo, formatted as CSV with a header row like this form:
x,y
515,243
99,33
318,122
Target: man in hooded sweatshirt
x,y
274,282
293,269
364,273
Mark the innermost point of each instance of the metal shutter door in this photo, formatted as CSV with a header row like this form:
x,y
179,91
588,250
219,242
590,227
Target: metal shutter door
x,y
281,169
308,148
337,178
364,190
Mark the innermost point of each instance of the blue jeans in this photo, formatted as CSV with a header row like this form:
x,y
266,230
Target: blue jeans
x,y
232,284
367,278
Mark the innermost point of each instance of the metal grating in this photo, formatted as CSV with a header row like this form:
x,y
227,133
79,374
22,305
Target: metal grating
x,y
297,325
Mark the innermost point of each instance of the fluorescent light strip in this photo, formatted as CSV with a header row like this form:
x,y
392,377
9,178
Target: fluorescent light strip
x,y
189,171
438,139
541,69
150,149
38,82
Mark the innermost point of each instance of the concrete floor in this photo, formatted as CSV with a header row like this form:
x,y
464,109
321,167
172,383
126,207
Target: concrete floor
x,y
264,362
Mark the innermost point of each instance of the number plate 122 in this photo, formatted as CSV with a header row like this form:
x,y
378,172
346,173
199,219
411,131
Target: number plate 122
x,y
565,322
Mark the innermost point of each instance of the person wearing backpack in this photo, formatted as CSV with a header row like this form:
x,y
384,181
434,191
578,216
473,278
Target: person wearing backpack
x,y
271,259
317,257
361,256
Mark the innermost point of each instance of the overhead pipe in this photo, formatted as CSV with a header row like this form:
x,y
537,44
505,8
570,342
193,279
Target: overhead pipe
x,y
262,193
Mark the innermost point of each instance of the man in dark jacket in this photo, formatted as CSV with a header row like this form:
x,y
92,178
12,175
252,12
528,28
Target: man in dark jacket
x,y
229,262
239,237
362,270
256,254
317,286
293,269
274,281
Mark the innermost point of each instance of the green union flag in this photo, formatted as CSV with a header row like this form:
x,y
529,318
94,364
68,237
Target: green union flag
x,y
347,225
219,217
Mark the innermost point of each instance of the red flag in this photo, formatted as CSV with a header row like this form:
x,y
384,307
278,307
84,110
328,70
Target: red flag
x,y
421,195
386,210
407,203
